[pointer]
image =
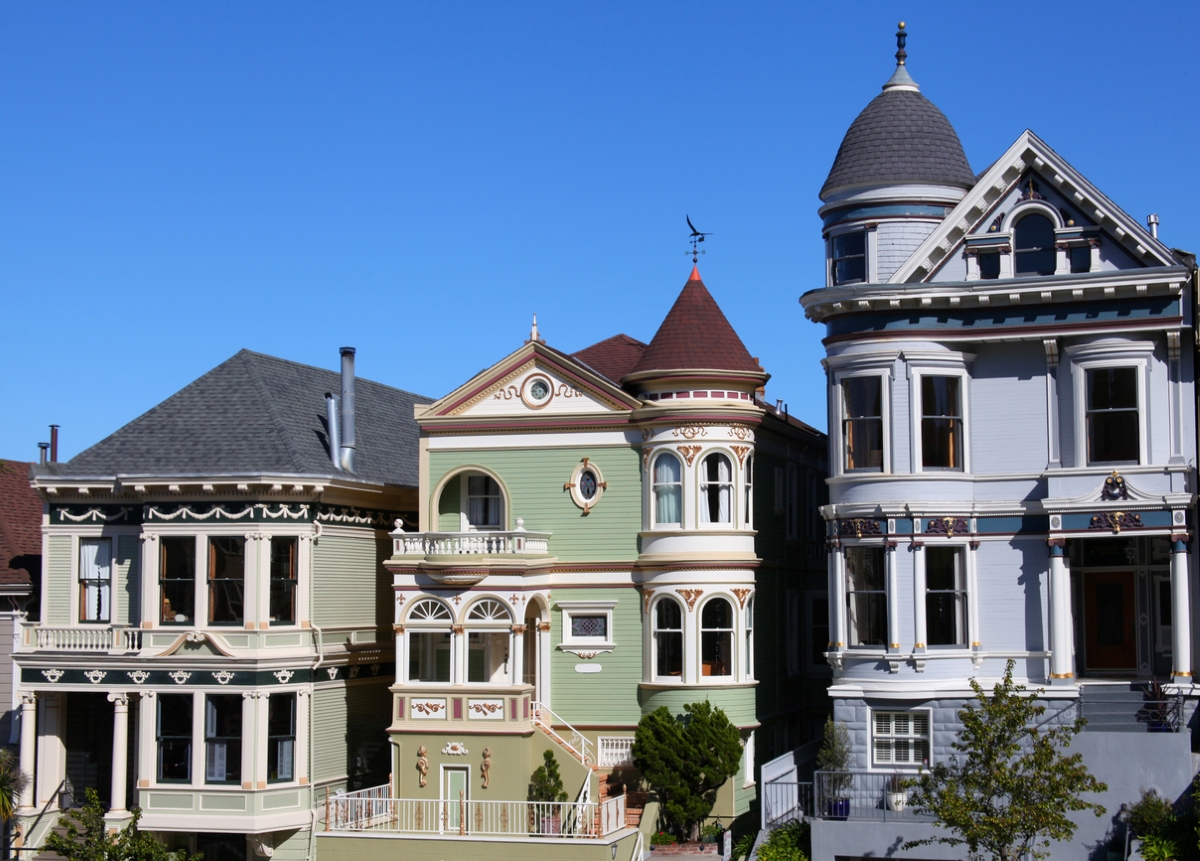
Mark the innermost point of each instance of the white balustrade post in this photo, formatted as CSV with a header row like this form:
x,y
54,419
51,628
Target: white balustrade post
x,y
1062,670
120,757
1181,613
28,747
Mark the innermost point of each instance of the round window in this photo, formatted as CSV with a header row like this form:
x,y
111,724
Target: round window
x,y
587,484
539,390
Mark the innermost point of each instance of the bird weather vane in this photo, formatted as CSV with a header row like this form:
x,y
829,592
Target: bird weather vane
x,y
696,238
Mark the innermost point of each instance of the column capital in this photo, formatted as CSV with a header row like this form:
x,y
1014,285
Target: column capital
x,y
28,699
119,699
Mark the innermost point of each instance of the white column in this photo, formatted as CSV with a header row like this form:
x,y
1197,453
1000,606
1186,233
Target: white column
x,y
252,574
151,605
28,747
835,627
1062,668
920,643
516,656
303,567
120,701
147,738
303,708
249,725
543,665
893,597
1181,613
458,655
839,601
199,743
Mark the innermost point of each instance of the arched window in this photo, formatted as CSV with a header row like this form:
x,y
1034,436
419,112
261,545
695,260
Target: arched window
x,y
668,489
488,649
716,489
429,650
668,639
1033,244
716,638
748,508
483,502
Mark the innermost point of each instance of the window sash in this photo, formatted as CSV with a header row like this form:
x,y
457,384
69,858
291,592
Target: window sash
x,y
862,422
667,482
901,738
95,580
429,656
483,502
174,738
716,490
282,599
941,422
849,257
177,580
1113,418
222,738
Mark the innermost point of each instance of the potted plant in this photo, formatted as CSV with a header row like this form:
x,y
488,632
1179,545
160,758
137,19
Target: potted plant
x,y
894,793
834,758
661,838
546,787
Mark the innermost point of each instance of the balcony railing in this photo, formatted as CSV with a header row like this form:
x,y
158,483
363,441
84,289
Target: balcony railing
x,y
490,543
616,751
372,809
785,801
863,795
98,639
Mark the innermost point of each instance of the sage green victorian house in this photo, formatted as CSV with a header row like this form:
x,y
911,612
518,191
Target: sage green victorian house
x,y
215,635
601,534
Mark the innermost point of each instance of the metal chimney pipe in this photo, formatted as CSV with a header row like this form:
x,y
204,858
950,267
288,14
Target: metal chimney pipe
x,y
44,447
335,437
348,443
54,443
1152,223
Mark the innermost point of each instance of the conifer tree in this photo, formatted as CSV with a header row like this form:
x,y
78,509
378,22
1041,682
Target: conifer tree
x,y
92,842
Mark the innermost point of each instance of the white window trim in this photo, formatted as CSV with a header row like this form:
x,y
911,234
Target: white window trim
x,y
844,598
652,650
939,365
1110,354
919,570
869,263
464,497
848,367
736,488
652,500
872,765
77,540
586,608
736,632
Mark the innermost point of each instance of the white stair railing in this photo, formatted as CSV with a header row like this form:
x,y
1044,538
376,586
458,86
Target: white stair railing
x,y
545,719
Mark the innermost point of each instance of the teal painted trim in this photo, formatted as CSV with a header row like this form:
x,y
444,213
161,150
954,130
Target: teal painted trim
x,y
1026,525
904,526
1056,550
861,212
1149,519
125,679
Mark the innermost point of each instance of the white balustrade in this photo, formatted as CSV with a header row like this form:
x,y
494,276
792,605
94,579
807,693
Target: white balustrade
x,y
106,638
612,815
576,742
373,810
516,542
616,751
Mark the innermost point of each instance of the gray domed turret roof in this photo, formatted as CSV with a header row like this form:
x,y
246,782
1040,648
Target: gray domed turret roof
x,y
899,138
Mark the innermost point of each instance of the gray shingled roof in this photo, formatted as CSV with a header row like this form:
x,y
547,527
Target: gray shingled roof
x,y
258,414
900,137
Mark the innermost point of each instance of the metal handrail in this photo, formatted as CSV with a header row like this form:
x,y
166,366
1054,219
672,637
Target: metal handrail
x,y
578,744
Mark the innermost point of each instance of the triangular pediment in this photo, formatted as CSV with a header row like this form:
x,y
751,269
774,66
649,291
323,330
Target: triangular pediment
x,y
1004,188
534,382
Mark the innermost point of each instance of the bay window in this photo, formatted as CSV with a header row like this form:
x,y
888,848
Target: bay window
x,y
177,580
716,638
862,422
223,738
1113,423
668,490
95,579
945,596
283,581
429,650
941,422
226,580
716,489
174,737
668,639
281,737
866,597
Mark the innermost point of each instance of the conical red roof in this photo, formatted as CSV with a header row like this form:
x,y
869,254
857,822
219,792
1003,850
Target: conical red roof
x,y
696,335
613,357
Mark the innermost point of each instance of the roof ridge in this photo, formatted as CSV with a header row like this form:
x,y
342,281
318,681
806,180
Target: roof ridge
x,y
260,386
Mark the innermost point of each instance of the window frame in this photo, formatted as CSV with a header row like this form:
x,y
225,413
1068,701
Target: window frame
x,y
214,738
81,583
162,579
277,541
834,259
875,765
159,737
1104,355
490,625
680,632
570,609
704,484
839,411
850,624
732,632
273,738
210,582
966,560
465,497
655,484
429,625
939,365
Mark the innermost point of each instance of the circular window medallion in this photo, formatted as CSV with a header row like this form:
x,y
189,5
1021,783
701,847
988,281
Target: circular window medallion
x,y
537,391
587,485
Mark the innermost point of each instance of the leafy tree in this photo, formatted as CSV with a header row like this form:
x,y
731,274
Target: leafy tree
x,y
686,759
546,783
12,783
94,843
835,756
1008,789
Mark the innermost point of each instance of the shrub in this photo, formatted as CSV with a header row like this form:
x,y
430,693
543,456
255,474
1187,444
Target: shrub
x,y
546,783
791,842
1159,849
1151,816
662,838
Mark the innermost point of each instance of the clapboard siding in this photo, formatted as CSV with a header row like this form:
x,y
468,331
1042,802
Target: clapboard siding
x,y
449,506
736,702
128,579
611,695
329,733
350,585
1008,409
57,602
534,480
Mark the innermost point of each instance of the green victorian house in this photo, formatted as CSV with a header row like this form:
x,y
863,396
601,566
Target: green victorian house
x,y
600,534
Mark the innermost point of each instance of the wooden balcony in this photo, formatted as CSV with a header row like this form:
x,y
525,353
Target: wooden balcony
x,y
464,558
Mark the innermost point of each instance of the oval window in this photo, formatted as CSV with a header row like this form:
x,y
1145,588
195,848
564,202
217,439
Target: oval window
x,y
539,390
587,484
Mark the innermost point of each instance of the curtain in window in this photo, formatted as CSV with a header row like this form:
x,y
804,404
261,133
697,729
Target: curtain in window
x,y
667,489
95,567
718,490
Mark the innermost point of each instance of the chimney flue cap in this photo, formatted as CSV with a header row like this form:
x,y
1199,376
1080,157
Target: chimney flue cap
x,y
348,351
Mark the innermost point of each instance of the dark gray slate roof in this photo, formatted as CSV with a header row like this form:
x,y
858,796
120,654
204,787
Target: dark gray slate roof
x,y
900,137
259,414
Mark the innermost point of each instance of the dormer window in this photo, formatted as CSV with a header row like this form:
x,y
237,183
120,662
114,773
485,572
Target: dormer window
x,y
1033,244
850,257
989,265
1081,258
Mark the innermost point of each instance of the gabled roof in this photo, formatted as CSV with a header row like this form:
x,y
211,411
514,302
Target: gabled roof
x,y
20,527
696,335
613,357
1029,152
258,414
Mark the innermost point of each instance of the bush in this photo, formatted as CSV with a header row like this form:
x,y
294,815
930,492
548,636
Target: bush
x,y
546,783
1151,816
1159,849
662,838
791,842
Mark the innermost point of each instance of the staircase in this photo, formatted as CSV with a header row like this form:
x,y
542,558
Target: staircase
x,y
611,784
46,854
578,747
1127,707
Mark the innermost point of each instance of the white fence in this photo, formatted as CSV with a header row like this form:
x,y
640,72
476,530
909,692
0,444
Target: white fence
x,y
97,638
612,815
615,751
475,543
566,820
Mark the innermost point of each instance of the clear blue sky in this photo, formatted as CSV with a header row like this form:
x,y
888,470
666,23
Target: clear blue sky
x,y
181,180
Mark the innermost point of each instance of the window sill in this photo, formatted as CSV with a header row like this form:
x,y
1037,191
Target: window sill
x,y
668,686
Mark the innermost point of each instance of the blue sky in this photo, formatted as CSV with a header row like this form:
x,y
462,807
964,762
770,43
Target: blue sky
x,y
181,180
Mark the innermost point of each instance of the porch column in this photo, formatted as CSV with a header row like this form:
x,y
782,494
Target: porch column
x,y
28,747
893,597
516,658
1062,668
1181,613
120,701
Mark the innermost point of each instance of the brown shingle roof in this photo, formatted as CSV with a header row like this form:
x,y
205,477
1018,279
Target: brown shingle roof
x,y
613,357
696,334
20,526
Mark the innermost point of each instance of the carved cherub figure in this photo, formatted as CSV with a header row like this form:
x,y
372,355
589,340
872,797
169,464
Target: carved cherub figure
x,y
422,763
485,767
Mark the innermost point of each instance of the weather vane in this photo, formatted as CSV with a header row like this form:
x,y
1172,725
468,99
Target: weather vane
x,y
696,238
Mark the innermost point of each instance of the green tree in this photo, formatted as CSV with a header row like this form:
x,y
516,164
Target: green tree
x,y
87,838
686,759
546,783
12,783
1010,786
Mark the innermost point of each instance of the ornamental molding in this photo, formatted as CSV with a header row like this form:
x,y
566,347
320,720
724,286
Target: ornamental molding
x,y
223,677
186,512
332,672
284,676
742,595
1114,488
118,698
196,637
858,527
179,676
741,451
95,515
647,596
690,595
689,452
586,654
948,526
429,708
95,676
53,675
353,516
690,432
138,676
455,748
1116,521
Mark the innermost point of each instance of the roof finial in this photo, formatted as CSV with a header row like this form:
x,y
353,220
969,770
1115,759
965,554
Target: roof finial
x,y
901,37
695,238
533,332
900,79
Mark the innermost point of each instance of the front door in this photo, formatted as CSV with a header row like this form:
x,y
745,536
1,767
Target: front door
x,y
455,788
1110,619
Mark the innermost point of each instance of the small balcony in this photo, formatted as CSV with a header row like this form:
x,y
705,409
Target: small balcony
x,y
464,558
113,639
860,795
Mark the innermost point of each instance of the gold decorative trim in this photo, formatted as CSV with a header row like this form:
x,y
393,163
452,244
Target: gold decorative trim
x,y
918,645
1062,675
1177,673
742,594
741,451
647,595
689,452
690,595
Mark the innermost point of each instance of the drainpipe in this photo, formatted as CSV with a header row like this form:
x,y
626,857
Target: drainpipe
x,y
348,444
335,436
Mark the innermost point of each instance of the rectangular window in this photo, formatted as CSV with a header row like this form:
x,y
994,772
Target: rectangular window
x,y
941,423
945,596
226,580
989,265
95,579
283,581
589,626
1113,427
223,738
587,623
1081,258
429,656
177,580
487,657
901,738
866,597
174,738
281,737
850,257
862,422
483,502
